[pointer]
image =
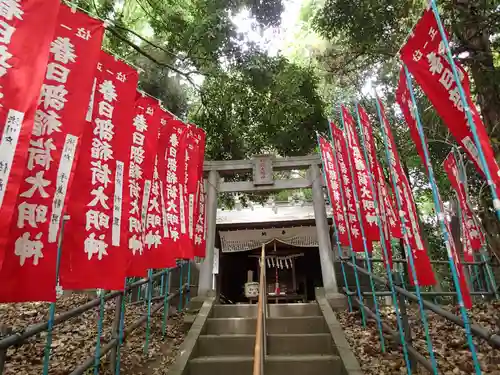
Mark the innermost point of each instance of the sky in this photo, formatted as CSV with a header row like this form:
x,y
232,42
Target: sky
x,y
271,40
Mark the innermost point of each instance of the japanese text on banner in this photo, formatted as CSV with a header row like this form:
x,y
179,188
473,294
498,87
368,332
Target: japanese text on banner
x,y
59,122
425,57
172,140
408,213
332,181
143,152
362,180
94,254
26,32
350,213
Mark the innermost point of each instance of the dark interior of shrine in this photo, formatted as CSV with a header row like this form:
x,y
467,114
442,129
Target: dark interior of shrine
x,y
297,283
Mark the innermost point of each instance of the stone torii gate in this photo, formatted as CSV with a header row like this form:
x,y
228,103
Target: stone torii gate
x,y
263,167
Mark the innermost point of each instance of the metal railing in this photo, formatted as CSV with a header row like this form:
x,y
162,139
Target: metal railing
x,y
403,297
119,332
260,348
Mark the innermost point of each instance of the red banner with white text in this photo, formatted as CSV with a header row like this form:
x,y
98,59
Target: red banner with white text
x,y
424,55
472,230
190,189
146,127
172,146
362,180
26,33
341,155
388,219
29,271
457,263
94,254
332,181
157,240
199,221
413,237
404,101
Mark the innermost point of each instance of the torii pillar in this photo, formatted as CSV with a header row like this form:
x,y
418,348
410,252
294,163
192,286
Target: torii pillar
x,y
206,272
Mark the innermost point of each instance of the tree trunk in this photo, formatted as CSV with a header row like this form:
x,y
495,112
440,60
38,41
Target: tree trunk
x,y
471,27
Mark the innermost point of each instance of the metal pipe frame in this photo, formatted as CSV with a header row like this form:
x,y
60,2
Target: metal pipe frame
x,y
89,362
18,337
477,330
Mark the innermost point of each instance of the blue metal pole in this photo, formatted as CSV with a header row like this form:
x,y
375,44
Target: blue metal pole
x,y
440,217
181,282
346,220
165,304
188,291
121,329
52,308
409,253
148,321
384,248
335,230
463,98
97,356
362,227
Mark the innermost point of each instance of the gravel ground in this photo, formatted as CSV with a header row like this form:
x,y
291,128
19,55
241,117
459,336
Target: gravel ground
x,y
75,340
449,341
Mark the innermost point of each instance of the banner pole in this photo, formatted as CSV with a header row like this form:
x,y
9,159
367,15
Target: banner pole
x,y
406,242
346,220
440,217
363,234
148,321
97,357
470,120
52,308
188,291
165,304
386,256
335,230
121,329
181,290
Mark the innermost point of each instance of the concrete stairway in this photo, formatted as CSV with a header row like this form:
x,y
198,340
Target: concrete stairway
x,y
299,342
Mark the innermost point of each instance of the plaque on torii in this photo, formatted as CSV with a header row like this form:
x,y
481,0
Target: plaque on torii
x,y
263,170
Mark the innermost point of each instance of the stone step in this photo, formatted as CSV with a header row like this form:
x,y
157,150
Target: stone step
x,y
225,345
243,345
274,365
231,365
274,310
246,326
304,344
227,326
296,325
303,365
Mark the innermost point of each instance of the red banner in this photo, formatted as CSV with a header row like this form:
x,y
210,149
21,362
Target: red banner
x,y
412,237
403,99
29,271
471,228
201,226
25,36
199,230
192,170
157,240
172,146
332,180
143,151
362,180
390,224
424,55
94,251
453,253
354,227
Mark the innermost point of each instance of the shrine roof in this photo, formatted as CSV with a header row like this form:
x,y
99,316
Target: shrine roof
x,y
261,216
